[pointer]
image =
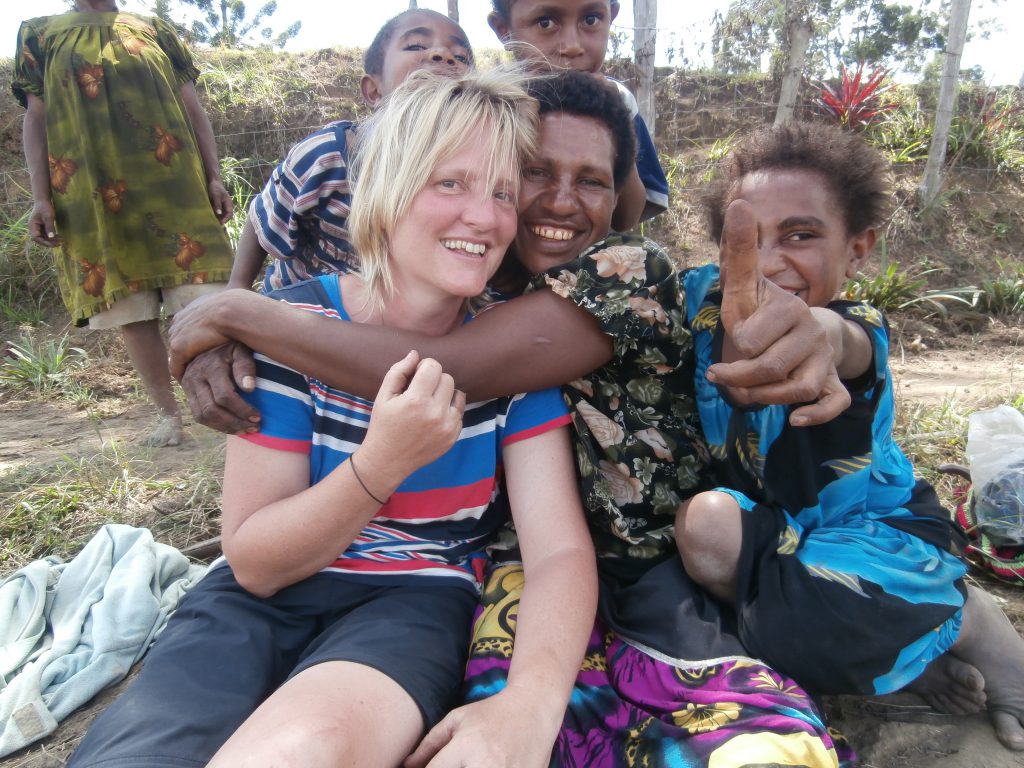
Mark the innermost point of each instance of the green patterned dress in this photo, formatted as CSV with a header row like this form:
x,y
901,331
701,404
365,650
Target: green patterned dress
x,y
126,176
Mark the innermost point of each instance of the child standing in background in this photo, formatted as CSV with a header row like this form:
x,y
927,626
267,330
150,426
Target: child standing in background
x,y
573,34
840,564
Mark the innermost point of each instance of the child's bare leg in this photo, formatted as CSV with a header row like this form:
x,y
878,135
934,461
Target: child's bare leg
x,y
335,713
148,354
709,534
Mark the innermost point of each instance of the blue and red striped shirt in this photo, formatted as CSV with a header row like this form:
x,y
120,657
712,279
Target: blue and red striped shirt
x,y
438,522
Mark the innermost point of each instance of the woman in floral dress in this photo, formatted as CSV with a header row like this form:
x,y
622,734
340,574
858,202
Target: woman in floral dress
x,y
125,181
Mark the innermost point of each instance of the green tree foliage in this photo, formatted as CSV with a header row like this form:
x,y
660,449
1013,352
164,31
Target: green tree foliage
x,y
895,35
226,23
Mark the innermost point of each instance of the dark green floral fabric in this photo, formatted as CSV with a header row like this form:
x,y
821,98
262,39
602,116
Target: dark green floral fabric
x,y
639,448
126,177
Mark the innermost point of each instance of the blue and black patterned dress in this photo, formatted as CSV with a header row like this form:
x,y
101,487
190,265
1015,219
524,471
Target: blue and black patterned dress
x,y
847,579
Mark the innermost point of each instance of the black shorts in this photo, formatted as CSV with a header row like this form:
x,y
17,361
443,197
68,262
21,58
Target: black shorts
x,y
858,607
225,651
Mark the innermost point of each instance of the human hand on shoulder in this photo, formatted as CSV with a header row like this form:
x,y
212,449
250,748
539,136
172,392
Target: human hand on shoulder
x,y
196,328
417,416
502,731
778,352
211,383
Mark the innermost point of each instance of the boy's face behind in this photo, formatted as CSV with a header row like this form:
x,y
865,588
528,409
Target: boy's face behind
x,y
422,39
566,34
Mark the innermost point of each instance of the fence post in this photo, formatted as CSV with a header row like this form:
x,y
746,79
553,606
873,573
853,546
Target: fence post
x,y
956,36
645,32
798,37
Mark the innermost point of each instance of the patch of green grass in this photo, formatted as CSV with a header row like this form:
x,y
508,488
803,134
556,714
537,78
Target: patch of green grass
x,y
56,507
988,131
28,282
20,310
1003,295
719,150
41,366
241,189
904,133
53,509
893,289
932,434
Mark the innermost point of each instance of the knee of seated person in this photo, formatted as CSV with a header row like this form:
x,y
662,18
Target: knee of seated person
x,y
316,740
701,522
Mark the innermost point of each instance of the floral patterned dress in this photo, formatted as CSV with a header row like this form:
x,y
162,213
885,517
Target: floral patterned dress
x,y
638,444
126,176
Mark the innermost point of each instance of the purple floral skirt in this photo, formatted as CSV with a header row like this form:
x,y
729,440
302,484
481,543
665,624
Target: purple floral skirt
x,y
634,708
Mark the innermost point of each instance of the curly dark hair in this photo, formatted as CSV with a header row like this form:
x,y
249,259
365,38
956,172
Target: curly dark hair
x,y
503,7
583,95
857,173
373,59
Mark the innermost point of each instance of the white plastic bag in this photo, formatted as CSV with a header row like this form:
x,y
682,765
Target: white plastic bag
x,y
995,450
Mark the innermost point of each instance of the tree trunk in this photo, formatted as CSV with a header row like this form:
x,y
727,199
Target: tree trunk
x,y
225,41
645,33
798,37
453,10
931,182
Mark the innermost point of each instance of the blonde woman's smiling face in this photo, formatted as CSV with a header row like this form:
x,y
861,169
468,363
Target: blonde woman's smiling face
x,y
457,229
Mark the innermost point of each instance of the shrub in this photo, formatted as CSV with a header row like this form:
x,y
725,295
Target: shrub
x,y
855,102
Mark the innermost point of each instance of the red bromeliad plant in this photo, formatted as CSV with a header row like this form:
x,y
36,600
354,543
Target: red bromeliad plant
x,y
855,102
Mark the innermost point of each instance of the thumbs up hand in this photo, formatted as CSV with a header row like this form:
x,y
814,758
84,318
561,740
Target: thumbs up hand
x,y
775,352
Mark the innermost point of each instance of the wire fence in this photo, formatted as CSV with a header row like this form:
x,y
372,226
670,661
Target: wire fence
x,y
697,117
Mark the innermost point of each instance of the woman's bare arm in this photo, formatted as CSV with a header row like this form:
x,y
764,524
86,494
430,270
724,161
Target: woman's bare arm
x,y
278,529
518,725
531,342
220,200
41,226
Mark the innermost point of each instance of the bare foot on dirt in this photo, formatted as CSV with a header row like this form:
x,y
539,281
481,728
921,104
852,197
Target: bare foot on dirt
x,y
990,643
952,686
168,432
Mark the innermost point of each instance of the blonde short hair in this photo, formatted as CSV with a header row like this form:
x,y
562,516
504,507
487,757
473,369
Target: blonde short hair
x,y
420,125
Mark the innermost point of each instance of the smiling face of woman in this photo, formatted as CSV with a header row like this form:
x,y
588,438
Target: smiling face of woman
x,y
567,193
456,231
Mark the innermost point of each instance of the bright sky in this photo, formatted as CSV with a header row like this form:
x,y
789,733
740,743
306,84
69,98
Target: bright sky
x,y
353,23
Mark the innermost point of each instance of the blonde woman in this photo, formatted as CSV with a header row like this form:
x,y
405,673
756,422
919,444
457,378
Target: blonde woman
x,y
289,653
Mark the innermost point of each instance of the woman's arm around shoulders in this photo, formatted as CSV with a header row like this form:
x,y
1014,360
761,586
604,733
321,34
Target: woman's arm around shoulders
x,y
525,344
518,726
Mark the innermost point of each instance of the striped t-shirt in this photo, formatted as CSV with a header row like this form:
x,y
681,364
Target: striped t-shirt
x,y
439,520
301,215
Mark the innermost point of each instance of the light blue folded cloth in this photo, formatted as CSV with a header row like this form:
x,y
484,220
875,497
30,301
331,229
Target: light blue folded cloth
x,y
68,630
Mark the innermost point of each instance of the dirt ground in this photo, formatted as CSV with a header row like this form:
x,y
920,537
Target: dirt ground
x,y
887,732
